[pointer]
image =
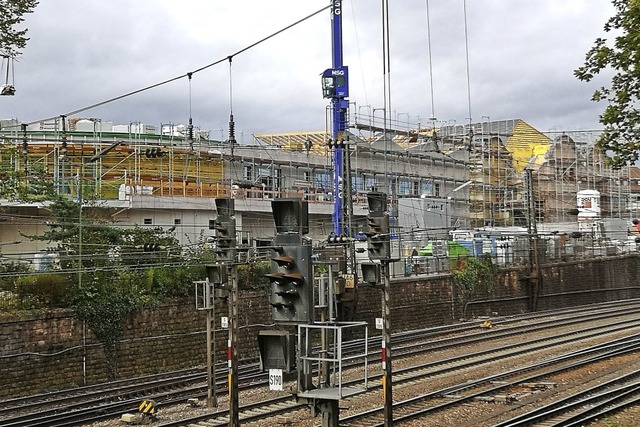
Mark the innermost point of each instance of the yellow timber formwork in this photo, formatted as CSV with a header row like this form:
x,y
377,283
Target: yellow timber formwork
x,y
313,142
123,170
526,143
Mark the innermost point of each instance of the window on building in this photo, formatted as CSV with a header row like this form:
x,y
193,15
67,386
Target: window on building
x,y
147,221
426,188
404,187
539,206
436,190
322,179
415,188
370,183
177,221
306,175
247,172
357,183
264,176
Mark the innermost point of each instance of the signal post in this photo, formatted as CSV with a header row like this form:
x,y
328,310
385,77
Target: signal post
x,y
222,283
293,305
225,234
379,247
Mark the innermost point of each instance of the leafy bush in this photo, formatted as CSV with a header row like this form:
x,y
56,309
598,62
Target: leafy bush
x,y
253,276
475,275
7,276
51,290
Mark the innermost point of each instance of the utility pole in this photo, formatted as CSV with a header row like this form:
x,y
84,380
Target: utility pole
x,y
232,351
387,382
225,231
535,276
379,247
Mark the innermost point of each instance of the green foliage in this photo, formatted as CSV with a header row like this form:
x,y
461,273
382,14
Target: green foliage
x,y
9,273
50,290
476,275
253,276
106,305
114,272
11,38
621,117
25,182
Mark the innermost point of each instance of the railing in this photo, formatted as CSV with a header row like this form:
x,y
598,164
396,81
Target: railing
x,y
514,253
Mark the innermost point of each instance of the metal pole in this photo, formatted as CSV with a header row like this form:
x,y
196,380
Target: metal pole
x,y
234,420
212,399
534,258
386,347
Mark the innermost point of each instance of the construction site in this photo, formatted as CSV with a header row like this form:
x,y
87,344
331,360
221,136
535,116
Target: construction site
x,y
150,179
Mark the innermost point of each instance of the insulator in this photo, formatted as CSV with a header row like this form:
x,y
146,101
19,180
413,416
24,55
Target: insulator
x,y
232,128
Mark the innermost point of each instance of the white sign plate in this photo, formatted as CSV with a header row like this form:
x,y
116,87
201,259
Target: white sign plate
x,y
275,379
224,322
379,324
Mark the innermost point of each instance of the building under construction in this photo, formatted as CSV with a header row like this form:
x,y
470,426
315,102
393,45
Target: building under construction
x,y
169,180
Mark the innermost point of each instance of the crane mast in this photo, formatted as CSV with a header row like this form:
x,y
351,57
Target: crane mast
x,y
335,86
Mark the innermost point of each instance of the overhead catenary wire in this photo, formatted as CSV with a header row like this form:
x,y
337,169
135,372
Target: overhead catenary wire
x,y
197,70
466,48
433,110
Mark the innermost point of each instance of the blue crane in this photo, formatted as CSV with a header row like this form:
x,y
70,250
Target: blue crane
x,y
335,86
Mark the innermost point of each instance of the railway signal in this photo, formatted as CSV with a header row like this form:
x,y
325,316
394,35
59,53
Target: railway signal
x,y
224,227
291,268
377,227
291,284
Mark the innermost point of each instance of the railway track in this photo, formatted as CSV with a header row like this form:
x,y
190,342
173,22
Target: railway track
x,y
93,404
443,367
585,406
423,405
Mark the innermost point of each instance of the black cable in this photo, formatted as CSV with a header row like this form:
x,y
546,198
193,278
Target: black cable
x,y
227,58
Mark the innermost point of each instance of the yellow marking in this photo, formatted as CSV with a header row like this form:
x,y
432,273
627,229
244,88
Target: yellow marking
x,y
147,407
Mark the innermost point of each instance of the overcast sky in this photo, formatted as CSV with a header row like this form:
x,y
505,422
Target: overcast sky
x,y
522,55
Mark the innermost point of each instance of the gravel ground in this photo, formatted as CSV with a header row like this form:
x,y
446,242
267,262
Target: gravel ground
x,y
475,414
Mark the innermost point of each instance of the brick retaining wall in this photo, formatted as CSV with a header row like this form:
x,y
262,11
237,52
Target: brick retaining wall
x,y
45,351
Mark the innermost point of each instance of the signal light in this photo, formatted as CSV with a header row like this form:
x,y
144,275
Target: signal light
x,y
153,153
224,227
291,284
290,215
151,247
378,240
225,236
377,228
371,273
217,274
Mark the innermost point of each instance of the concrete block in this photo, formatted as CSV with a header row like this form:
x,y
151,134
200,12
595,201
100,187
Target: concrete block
x,y
129,418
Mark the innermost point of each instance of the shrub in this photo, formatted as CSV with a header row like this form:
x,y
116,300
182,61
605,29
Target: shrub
x,y
44,290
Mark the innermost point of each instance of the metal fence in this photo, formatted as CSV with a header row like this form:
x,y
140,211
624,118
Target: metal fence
x,y
515,251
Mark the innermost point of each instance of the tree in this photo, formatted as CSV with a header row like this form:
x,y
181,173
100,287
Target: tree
x,y
621,118
114,271
11,38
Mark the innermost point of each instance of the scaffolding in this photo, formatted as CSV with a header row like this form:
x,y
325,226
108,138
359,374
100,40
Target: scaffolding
x,y
572,164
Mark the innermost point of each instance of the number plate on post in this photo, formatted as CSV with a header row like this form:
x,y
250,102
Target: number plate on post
x,y
275,379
